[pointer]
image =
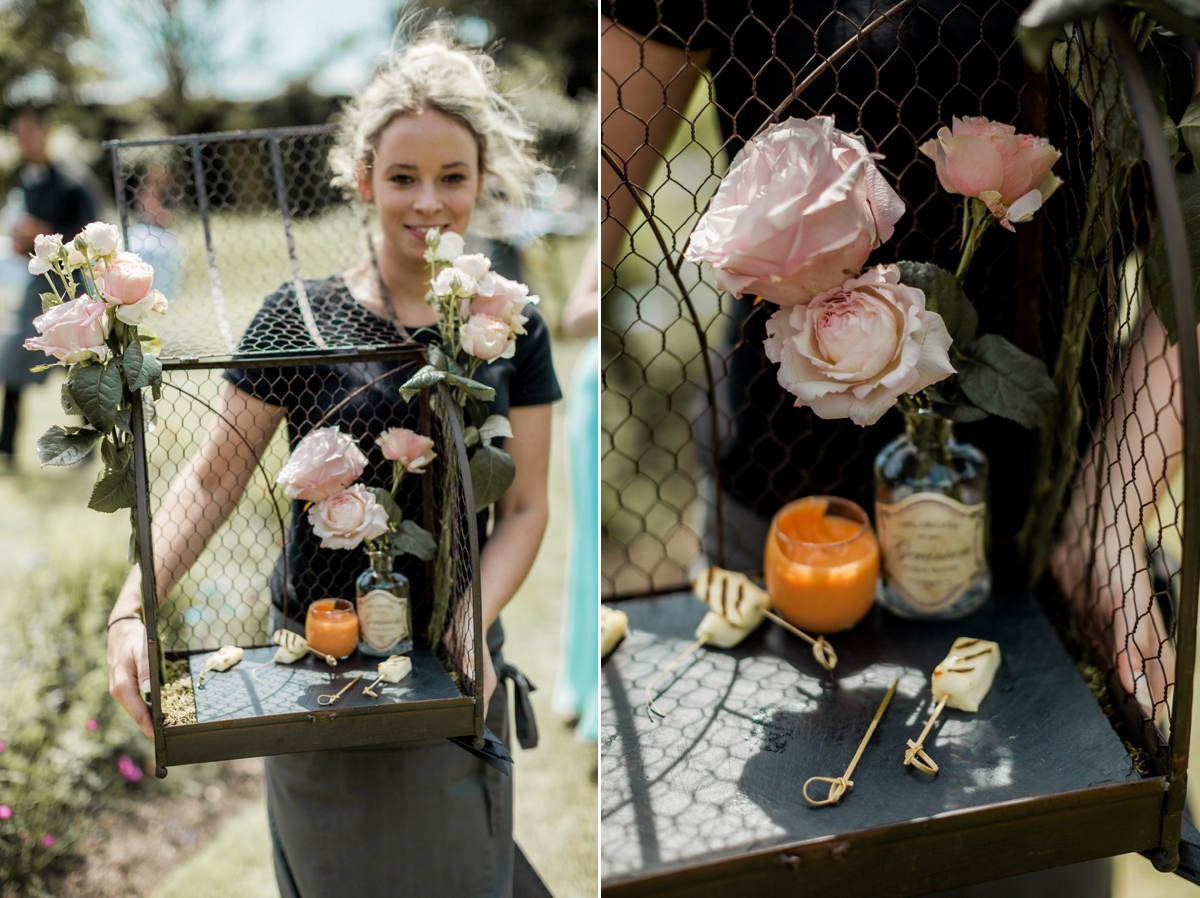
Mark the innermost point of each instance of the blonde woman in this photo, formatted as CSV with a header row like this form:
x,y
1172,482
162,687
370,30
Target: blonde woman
x,y
428,143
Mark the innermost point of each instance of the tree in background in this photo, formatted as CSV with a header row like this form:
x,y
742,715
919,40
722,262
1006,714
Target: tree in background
x,y
36,64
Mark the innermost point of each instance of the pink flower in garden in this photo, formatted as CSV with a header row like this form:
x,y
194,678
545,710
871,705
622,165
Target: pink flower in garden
x,y
345,519
798,212
5,812
128,769
92,725
1009,172
407,447
854,349
47,840
1,745
72,332
325,462
487,338
128,279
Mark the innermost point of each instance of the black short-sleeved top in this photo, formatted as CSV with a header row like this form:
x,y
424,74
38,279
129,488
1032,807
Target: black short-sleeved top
x,y
969,65
314,395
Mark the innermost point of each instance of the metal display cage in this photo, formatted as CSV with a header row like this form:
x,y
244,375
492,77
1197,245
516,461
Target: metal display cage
x,y
699,442
225,219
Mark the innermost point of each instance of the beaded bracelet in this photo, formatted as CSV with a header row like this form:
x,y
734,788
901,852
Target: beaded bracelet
x,y
136,617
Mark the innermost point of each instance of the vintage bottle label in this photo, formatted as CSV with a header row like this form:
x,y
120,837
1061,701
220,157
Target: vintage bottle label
x,y
932,548
382,619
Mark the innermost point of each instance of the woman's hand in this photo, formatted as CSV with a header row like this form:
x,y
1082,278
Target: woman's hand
x,y
129,669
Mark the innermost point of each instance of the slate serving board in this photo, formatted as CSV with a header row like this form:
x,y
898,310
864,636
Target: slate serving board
x,y
721,774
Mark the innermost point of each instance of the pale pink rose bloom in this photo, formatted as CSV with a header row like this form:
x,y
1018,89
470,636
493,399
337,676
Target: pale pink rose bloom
x,y
102,237
153,303
1009,172
326,461
72,331
798,212
853,350
348,517
500,297
409,448
476,265
487,338
128,279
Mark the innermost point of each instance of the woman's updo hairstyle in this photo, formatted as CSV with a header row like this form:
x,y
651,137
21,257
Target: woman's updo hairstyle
x,y
433,71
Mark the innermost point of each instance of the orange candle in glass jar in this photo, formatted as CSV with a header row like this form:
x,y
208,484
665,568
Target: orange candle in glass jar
x,y
822,563
331,627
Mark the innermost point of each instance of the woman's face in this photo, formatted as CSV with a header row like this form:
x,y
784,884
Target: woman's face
x,y
425,175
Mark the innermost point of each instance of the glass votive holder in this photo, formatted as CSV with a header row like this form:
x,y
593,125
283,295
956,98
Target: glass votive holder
x,y
822,563
331,627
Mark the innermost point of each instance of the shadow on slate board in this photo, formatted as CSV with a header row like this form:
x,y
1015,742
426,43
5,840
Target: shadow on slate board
x,y
722,773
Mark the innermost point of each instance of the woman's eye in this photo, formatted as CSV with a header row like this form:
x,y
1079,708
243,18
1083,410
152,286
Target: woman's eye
x,y
456,178
401,179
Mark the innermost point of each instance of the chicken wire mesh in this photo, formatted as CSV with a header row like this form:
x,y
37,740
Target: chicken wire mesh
x,y
228,220
700,442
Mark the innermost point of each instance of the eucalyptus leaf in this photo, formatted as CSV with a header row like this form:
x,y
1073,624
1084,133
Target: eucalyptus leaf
x,y
113,491
426,377
1002,380
492,472
495,426
96,389
65,445
944,295
471,387
413,539
1156,270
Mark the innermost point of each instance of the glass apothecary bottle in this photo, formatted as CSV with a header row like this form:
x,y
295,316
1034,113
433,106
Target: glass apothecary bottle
x,y
384,607
931,518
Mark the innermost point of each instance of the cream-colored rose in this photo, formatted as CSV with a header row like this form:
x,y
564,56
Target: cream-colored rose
x,y
797,213
852,350
323,463
153,303
444,246
487,338
476,265
102,238
348,517
408,448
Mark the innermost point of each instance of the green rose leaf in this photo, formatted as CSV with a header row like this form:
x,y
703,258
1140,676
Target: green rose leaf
x,y
114,490
470,436
68,401
49,301
413,539
1042,24
944,295
1180,16
470,387
65,445
141,369
1189,129
1002,380
426,377
492,472
151,345
1158,280
96,389
949,402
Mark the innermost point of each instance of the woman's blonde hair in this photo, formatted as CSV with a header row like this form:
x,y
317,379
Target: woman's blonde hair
x,y
433,71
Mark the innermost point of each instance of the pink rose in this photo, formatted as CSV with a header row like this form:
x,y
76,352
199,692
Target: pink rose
x,y
499,297
798,211
345,519
487,338
1009,172
72,331
5,812
476,265
47,841
854,349
407,447
325,462
128,279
